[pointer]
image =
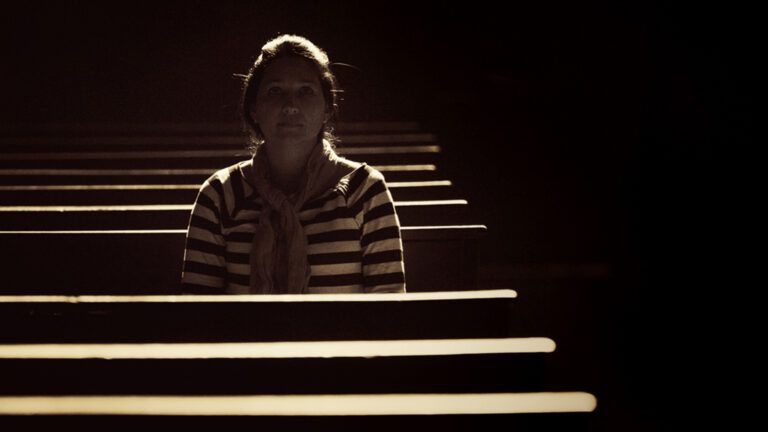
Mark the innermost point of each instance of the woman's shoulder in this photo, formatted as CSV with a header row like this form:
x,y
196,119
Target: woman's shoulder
x,y
360,170
362,180
227,175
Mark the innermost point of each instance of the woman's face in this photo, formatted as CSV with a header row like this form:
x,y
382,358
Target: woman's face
x,y
290,107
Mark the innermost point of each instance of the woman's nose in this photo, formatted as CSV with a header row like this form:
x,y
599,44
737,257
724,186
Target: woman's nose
x,y
289,106
290,109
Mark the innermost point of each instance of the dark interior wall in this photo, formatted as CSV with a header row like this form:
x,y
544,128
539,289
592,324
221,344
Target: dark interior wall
x,y
548,111
174,60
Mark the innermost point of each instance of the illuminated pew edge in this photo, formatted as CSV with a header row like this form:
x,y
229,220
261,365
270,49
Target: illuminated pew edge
x,y
417,232
189,154
377,297
180,207
145,172
26,188
304,405
310,349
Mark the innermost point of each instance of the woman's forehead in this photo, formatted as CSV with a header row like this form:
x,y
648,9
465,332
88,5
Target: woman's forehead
x,y
291,69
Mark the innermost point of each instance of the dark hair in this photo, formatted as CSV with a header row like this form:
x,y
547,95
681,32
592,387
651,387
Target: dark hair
x,y
289,46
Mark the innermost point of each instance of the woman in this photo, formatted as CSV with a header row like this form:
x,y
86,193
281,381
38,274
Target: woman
x,y
296,218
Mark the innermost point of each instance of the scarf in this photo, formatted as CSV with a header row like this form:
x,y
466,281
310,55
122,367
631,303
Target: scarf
x,y
279,251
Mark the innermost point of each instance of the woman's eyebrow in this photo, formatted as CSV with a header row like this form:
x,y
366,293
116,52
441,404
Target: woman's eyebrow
x,y
279,81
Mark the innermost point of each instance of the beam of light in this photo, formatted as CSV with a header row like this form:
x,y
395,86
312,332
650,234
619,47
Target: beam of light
x,y
103,172
196,186
442,228
261,298
272,350
186,141
422,203
201,154
177,207
423,167
389,138
90,232
160,172
389,150
96,155
406,230
96,208
100,187
305,405
415,184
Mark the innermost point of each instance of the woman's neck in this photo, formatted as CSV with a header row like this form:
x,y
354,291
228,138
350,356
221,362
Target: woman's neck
x,y
286,167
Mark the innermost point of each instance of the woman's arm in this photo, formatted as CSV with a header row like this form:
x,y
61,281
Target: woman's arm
x,y
204,270
382,246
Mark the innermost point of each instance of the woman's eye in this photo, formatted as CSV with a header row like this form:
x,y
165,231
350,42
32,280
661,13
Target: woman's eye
x,y
274,91
307,90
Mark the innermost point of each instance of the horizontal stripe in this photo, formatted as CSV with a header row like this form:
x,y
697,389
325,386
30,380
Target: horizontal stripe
x,y
334,258
309,349
206,201
327,216
321,201
386,209
237,257
240,279
379,235
304,298
333,236
204,269
304,405
383,279
383,257
204,224
239,237
335,280
373,190
204,246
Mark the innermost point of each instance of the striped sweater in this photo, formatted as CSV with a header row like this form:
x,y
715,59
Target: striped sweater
x,y
353,236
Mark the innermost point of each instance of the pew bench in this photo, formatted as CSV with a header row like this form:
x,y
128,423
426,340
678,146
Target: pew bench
x,y
137,194
149,261
315,360
176,216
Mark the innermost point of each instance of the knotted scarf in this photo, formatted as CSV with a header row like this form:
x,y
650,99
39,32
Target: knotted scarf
x,y
279,251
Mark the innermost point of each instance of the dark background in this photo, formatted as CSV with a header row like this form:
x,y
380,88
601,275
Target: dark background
x,y
588,136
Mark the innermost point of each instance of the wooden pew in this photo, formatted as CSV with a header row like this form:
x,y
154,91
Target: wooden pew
x,y
100,176
176,216
149,261
175,194
41,164
319,360
194,158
